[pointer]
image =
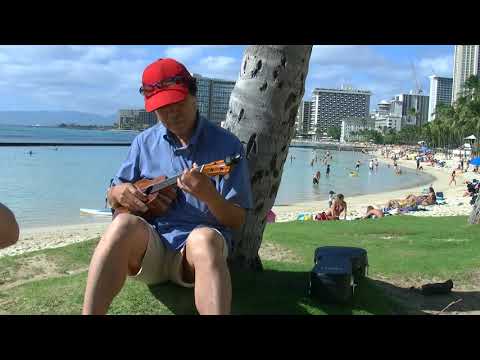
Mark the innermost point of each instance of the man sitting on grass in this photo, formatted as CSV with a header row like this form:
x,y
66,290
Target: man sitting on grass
x,y
9,230
188,241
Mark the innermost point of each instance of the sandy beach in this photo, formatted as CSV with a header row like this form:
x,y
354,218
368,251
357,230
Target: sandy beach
x,y
456,203
57,236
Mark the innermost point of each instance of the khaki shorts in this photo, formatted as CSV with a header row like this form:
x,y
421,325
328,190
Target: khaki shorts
x,y
161,264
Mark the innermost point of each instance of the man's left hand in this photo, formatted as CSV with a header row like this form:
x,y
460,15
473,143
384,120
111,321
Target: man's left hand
x,y
197,184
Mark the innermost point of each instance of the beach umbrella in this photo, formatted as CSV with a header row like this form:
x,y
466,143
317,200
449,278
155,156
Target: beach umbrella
x,y
425,149
475,161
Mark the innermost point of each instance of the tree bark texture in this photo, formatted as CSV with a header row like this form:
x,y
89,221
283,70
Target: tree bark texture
x,y
262,112
475,215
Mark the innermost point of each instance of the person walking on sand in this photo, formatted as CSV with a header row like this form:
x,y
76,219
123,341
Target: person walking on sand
x,y
376,165
327,172
370,165
189,238
316,178
452,178
357,166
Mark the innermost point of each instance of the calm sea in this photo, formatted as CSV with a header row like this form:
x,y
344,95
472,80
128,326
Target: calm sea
x,y
50,185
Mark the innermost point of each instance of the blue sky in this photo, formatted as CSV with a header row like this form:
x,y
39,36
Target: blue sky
x,y
103,79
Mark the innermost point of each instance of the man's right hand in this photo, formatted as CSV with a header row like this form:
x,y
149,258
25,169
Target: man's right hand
x,y
128,195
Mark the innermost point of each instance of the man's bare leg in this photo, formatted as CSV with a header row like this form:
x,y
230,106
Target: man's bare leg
x,y
119,252
206,263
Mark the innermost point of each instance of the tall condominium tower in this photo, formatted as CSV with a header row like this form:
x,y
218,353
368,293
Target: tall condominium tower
x,y
440,93
303,123
465,64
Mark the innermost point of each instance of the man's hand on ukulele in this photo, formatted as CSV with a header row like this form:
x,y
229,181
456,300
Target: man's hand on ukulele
x,y
129,196
197,184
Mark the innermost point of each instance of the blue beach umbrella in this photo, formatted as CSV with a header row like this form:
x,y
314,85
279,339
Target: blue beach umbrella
x,y
475,161
425,149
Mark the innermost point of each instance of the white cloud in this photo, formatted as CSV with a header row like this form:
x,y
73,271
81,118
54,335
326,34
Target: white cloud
x,y
223,67
85,78
183,53
442,65
190,53
217,63
348,55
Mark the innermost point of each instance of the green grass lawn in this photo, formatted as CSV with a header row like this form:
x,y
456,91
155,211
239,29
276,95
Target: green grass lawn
x,y
398,247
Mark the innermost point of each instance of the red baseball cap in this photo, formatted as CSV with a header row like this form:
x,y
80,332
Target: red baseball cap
x,y
164,82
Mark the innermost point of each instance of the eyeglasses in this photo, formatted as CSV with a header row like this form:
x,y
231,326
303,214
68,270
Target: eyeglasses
x,y
149,90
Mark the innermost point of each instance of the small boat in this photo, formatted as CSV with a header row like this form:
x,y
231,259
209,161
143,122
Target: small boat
x,y
96,212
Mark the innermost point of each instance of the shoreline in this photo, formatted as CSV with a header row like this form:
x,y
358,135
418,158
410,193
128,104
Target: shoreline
x,y
356,205
427,177
38,238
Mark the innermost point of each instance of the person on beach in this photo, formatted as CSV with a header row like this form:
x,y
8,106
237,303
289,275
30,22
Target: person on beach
x,y
452,178
418,162
327,172
413,200
316,178
357,165
376,165
9,230
190,242
331,197
338,206
370,165
373,213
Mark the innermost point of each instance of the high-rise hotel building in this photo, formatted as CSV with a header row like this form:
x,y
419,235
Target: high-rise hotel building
x,y
465,64
440,93
213,97
331,106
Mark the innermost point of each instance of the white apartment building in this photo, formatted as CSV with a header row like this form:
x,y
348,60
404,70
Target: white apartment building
x,y
388,115
331,106
465,64
440,93
350,127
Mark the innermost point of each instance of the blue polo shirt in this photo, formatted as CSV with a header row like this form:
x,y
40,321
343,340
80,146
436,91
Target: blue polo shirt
x,y
156,151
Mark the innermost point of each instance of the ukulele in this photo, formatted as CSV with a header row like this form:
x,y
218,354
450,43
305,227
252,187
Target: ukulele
x,y
158,185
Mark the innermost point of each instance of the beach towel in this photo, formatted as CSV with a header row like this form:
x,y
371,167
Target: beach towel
x,y
305,217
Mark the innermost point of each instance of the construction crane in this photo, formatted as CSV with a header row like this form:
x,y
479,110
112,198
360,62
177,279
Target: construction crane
x,y
418,88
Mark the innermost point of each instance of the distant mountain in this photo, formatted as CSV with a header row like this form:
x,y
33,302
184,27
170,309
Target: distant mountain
x,y
53,118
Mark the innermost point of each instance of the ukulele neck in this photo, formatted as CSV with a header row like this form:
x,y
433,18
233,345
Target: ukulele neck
x,y
166,183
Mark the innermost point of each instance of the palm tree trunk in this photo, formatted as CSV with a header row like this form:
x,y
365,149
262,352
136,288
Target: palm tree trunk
x,y
262,111
475,215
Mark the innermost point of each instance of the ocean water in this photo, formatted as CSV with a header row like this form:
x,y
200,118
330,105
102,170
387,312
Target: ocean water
x,y
49,186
